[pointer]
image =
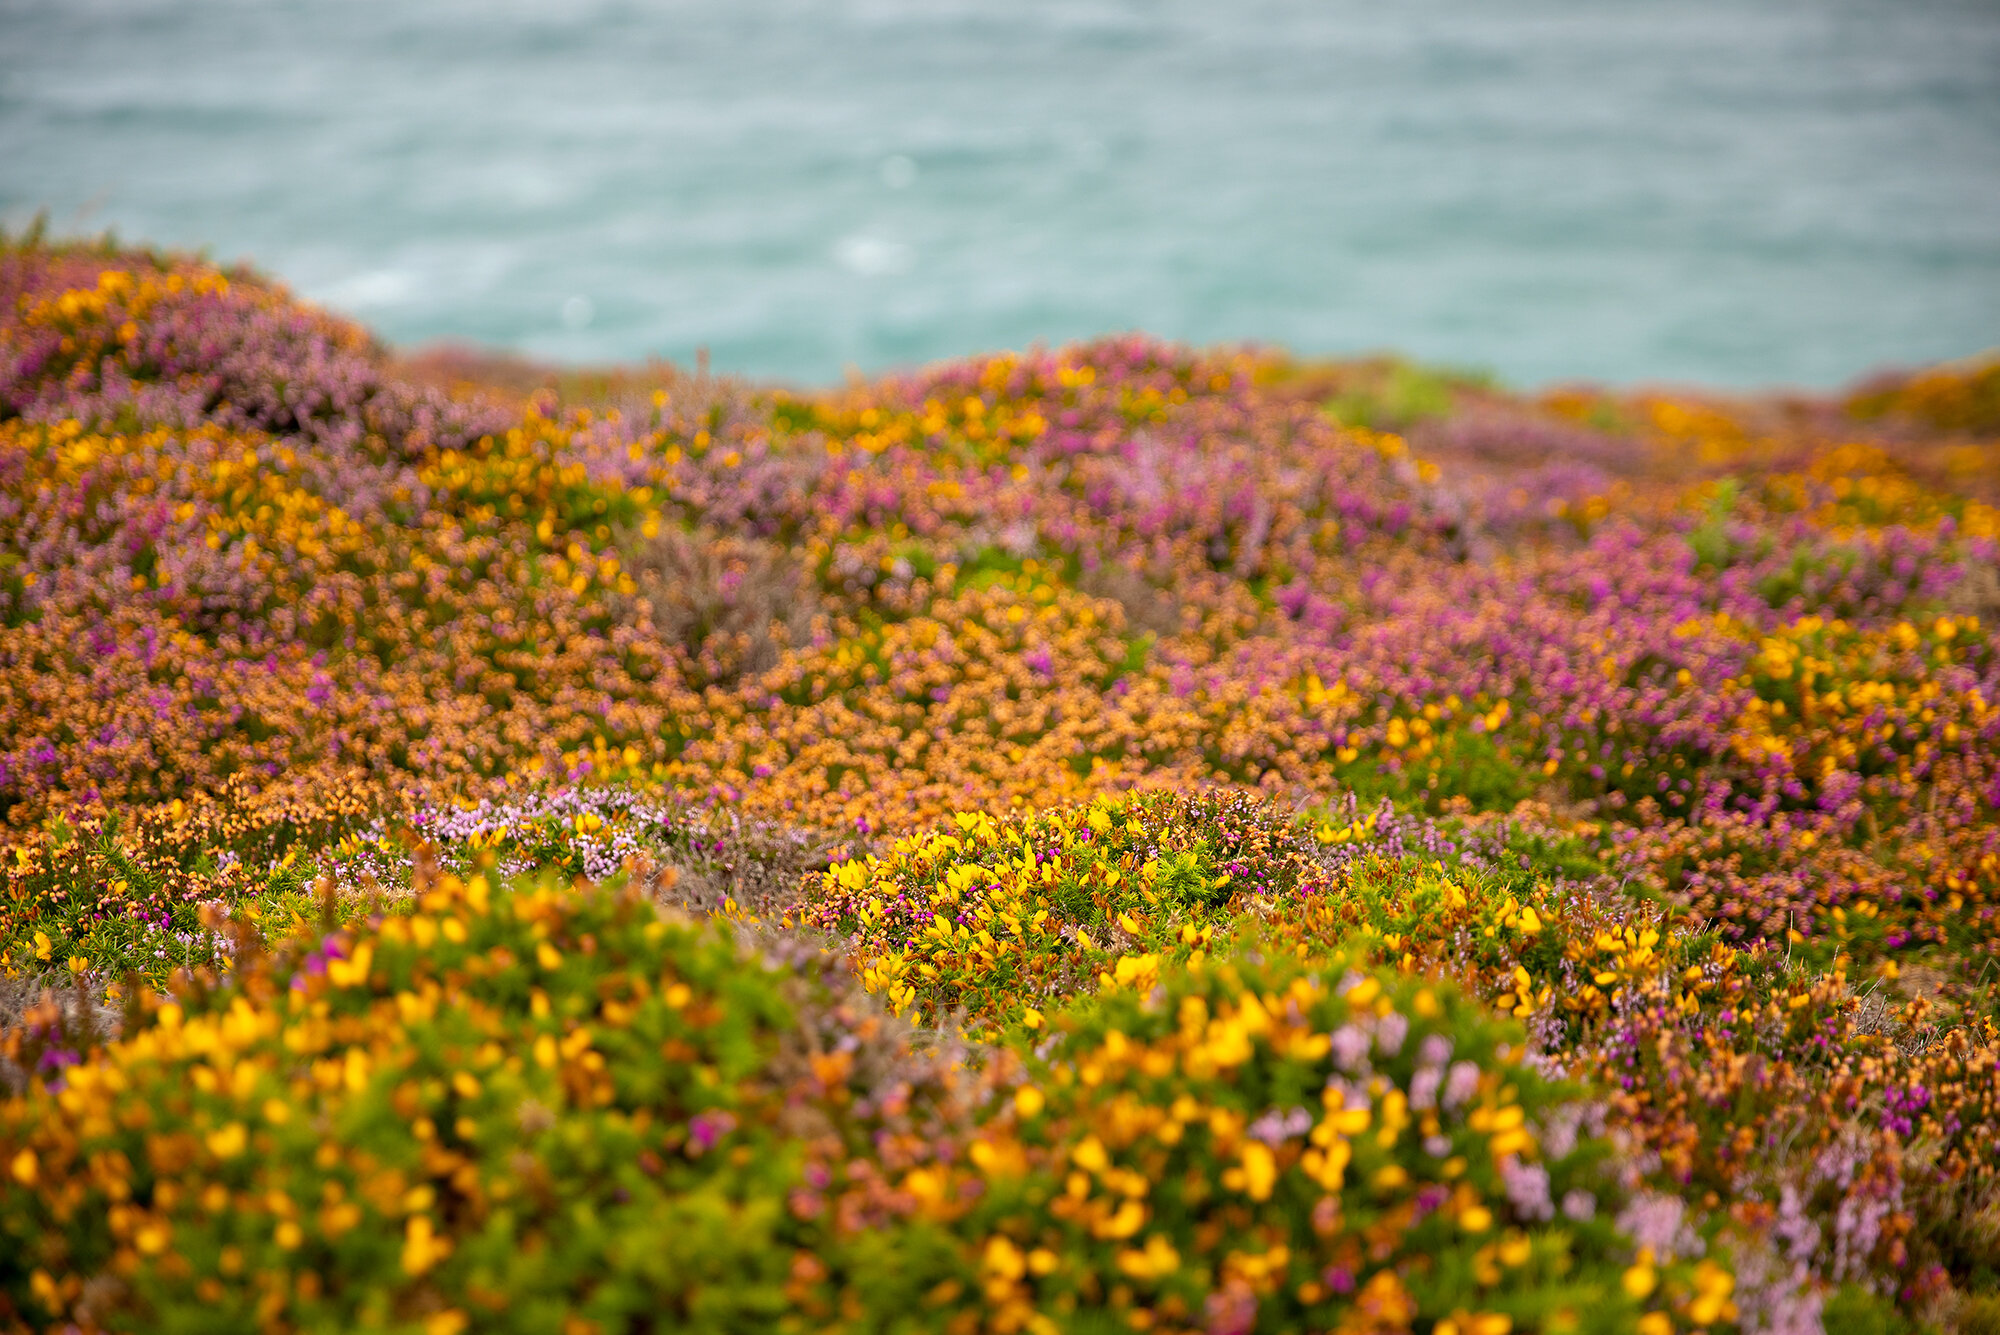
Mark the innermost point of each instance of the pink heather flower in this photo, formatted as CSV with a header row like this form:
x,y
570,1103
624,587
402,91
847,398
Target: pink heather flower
x,y
1353,1093
706,1129
1275,1128
1350,1048
1795,1227
1527,1189
1461,1084
1559,1136
1233,1311
1658,1221
1774,1298
1390,1032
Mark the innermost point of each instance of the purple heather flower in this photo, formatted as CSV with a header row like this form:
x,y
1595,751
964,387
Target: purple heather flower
x,y
1461,1084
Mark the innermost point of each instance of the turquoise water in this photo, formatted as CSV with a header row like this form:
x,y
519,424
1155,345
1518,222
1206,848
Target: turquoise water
x,y
1730,191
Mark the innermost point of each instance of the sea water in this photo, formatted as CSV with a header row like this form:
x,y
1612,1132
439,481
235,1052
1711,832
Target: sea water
x,y
1739,192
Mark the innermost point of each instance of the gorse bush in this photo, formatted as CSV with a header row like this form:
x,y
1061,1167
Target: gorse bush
x,y
504,1110
519,1108
1277,1146
989,919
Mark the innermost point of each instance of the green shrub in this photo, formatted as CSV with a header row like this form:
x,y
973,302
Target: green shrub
x,y
1269,1145
502,1112
549,1109
1852,1310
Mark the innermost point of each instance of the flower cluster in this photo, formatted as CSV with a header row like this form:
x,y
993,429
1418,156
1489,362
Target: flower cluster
x,y
406,1125
514,1106
1253,1147
990,919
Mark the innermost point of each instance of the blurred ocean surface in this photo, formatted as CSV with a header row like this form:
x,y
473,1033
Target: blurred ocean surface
x,y
1737,192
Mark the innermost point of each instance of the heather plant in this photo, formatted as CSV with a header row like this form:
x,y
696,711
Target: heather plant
x,y
731,605
698,857
45,1018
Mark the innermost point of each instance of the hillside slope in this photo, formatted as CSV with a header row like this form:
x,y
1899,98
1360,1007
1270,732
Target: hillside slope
x,y
1079,706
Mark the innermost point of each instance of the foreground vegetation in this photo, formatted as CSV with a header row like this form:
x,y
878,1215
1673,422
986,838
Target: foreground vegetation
x,y
1120,838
